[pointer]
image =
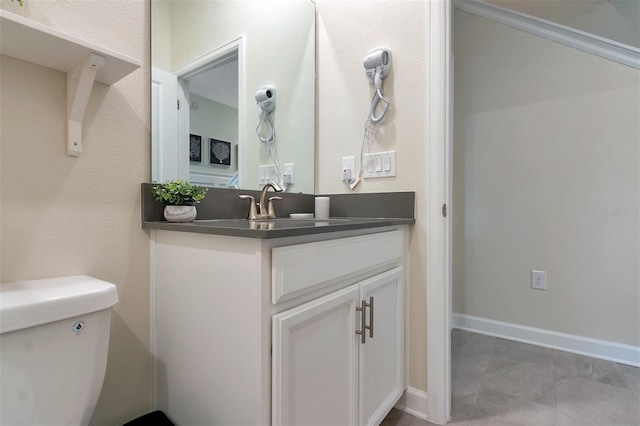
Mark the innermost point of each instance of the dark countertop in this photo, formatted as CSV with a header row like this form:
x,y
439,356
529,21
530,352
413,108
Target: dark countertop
x,y
221,212
276,228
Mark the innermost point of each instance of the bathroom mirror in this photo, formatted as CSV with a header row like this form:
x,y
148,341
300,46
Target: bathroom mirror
x,y
214,55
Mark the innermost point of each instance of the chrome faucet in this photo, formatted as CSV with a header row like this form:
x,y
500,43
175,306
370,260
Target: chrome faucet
x,y
263,211
262,207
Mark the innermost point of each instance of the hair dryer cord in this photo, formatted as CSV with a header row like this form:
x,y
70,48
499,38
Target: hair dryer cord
x,y
267,140
377,97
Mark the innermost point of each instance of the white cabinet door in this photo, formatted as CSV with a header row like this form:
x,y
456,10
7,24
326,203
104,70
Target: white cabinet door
x,y
315,358
322,372
381,368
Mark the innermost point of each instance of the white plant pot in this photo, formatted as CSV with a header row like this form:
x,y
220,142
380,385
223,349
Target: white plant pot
x,y
180,213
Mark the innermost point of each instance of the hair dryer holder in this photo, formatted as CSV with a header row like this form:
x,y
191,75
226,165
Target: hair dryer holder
x,y
377,65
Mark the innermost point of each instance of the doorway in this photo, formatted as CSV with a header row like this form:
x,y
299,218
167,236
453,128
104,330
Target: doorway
x,y
548,144
211,93
198,137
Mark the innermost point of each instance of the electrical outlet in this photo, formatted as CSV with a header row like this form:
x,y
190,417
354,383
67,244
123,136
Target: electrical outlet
x,y
289,173
348,168
539,280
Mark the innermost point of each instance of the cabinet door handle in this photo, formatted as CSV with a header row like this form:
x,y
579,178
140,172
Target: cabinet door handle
x,y
363,319
370,317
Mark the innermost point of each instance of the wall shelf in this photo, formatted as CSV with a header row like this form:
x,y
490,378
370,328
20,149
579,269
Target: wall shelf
x,y
82,61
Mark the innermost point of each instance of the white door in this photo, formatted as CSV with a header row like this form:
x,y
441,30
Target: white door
x,y
165,159
382,355
314,376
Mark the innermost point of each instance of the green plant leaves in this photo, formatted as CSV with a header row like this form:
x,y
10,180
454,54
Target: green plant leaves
x,y
178,193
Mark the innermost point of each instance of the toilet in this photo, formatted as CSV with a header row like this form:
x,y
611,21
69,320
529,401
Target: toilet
x,y
54,337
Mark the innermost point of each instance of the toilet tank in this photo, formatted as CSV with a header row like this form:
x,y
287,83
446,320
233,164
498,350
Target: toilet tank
x,y
54,337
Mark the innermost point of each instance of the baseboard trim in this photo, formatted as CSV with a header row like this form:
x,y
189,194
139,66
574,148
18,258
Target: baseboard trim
x,y
413,401
602,349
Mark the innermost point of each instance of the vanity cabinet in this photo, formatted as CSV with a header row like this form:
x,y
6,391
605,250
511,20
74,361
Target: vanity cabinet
x,y
263,331
338,360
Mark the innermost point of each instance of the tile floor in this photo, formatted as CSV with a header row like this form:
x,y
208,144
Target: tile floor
x,y
501,382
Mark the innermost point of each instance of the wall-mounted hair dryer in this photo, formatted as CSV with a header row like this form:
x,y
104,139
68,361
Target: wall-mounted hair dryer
x,y
377,65
266,99
266,131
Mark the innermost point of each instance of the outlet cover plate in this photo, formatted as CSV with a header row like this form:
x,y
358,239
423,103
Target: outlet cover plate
x,y
539,280
348,163
290,169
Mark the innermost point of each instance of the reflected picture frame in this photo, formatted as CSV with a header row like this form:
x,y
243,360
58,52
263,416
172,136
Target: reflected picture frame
x,y
195,148
219,152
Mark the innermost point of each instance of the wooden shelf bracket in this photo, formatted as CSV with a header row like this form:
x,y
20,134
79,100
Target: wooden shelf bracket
x,y
79,84
83,62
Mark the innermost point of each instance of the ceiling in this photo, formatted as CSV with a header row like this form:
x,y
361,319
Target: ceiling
x,y
219,84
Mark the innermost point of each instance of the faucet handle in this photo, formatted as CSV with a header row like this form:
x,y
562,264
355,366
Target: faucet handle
x,y
253,214
272,212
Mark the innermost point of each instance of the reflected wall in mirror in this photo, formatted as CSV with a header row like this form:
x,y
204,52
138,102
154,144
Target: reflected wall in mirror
x,y
214,55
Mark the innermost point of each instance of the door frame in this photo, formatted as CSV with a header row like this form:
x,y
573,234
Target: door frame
x,y
438,193
211,59
164,122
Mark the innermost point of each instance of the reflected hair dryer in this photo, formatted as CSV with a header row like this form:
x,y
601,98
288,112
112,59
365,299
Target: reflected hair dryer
x,y
266,99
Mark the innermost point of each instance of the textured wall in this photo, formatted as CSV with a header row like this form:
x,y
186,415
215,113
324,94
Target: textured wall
x,y
347,30
63,215
546,177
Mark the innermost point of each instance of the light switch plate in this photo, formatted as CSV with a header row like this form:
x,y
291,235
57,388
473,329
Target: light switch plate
x,y
379,164
267,174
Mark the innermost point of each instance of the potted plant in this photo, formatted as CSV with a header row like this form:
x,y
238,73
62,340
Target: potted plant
x,y
179,198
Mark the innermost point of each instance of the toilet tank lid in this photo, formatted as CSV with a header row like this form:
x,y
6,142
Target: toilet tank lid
x,y
29,303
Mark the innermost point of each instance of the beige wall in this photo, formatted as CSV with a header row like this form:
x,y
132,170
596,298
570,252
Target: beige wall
x,y
346,31
214,120
546,177
161,34
63,215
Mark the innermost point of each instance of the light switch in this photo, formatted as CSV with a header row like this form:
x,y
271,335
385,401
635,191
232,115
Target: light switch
x,y
387,164
267,173
380,164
